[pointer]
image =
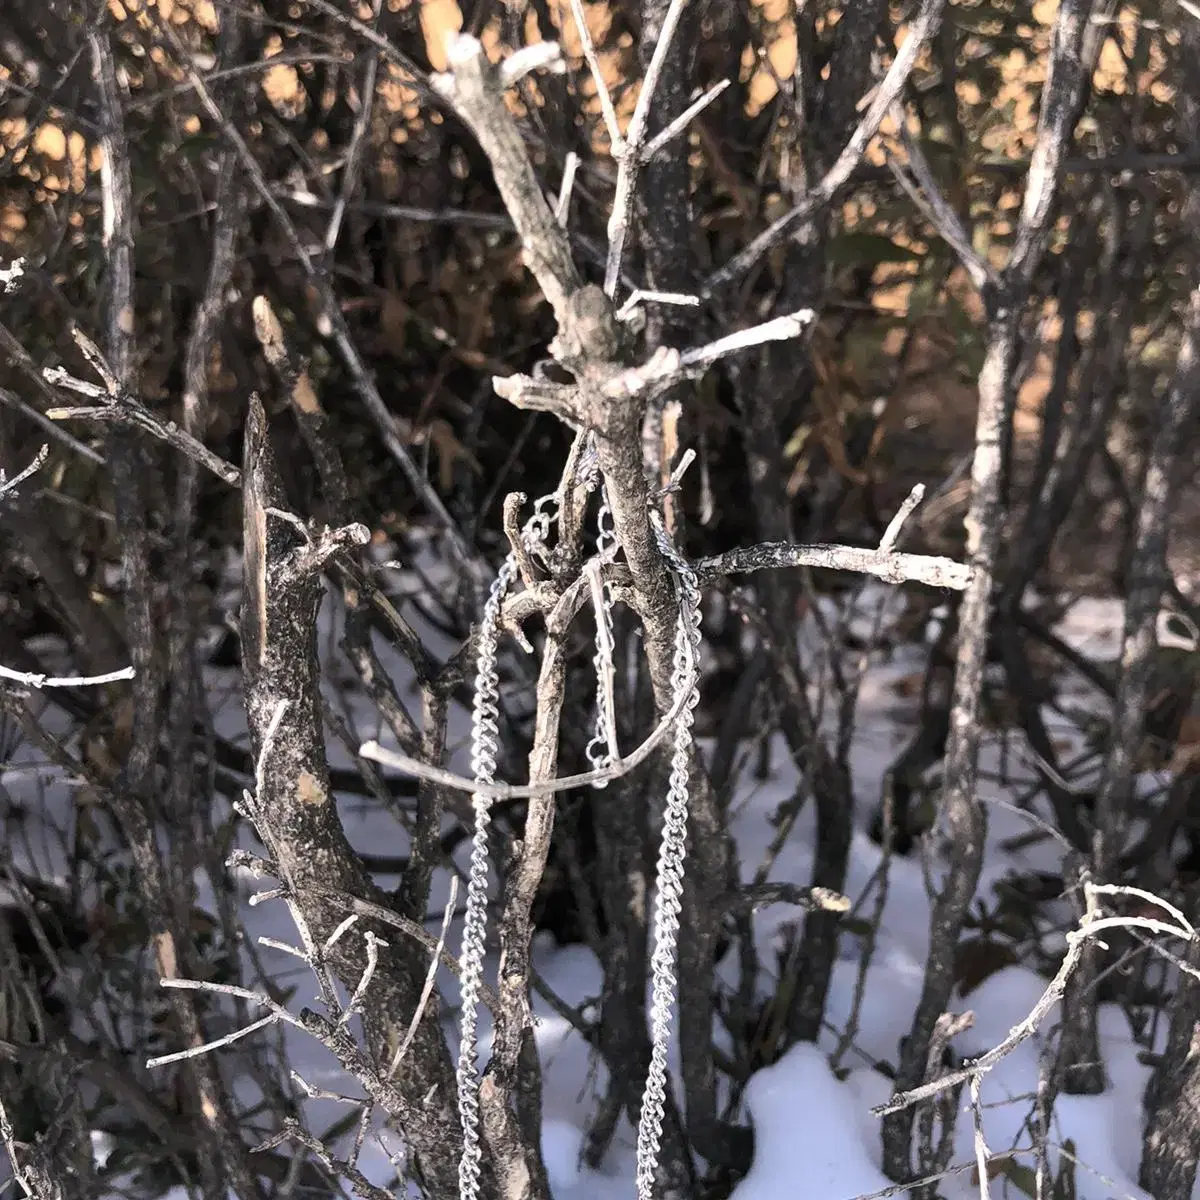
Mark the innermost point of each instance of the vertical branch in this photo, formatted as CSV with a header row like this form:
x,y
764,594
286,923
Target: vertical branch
x,y
416,886
1171,1144
1070,446
1062,100
1148,569
710,875
125,456
116,182
514,1135
1148,577
665,233
590,344
350,172
966,823
295,810
186,705
785,370
139,720
1077,1068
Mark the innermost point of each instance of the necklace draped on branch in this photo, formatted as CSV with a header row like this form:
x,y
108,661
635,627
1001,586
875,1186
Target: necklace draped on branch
x,y
602,752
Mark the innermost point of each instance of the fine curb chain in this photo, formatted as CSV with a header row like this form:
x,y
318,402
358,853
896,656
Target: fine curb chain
x,y
485,748
606,544
672,853
485,737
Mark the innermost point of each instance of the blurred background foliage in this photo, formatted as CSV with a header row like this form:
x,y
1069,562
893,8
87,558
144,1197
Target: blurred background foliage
x,y
430,275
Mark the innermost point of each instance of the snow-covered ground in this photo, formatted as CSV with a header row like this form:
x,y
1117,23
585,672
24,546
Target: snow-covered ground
x,y
816,1138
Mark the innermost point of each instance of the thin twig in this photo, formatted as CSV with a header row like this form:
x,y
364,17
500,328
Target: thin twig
x,y
615,140
982,1154
892,566
430,978
331,311
386,916
49,427
10,485
119,404
1090,925
399,212
890,87
366,101
508,791
207,1047
630,157
927,196
33,680
562,209
669,132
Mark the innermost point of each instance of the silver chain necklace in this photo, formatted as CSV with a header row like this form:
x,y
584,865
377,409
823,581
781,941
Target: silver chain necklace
x,y
602,752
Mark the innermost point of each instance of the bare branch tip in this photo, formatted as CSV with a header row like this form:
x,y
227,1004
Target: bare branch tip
x,y
541,56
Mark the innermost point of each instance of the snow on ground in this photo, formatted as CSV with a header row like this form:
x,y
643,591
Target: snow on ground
x,y
815,1136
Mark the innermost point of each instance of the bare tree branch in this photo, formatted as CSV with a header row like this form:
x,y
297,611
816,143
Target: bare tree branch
x,y
965,818
886,94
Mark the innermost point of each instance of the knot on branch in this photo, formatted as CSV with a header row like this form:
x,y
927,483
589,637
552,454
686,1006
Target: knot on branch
x,y
312,557
590,332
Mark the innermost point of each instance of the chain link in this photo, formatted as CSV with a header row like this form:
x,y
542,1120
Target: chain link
x,y
606,543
